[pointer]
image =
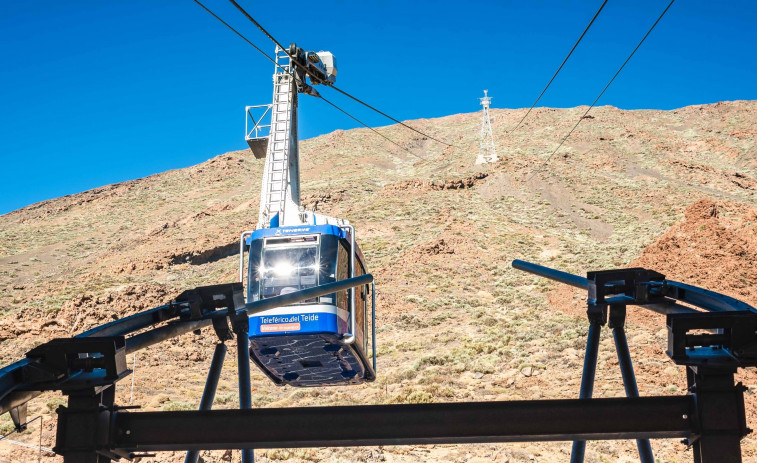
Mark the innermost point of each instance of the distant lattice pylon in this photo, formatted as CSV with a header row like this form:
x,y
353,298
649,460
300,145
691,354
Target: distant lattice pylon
x,y
486,150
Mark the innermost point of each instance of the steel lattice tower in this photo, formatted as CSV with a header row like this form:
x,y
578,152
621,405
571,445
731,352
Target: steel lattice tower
x,y
486,150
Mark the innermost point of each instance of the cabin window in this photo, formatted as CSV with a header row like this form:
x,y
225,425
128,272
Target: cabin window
x,y
284,270
360,296
342,273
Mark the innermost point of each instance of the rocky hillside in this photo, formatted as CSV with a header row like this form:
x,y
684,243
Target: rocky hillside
x,y
455,321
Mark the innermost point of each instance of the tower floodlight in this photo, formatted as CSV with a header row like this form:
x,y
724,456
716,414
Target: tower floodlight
x,y
486,150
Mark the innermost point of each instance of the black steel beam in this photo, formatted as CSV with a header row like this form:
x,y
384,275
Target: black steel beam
x,y
587,382
704,298
132,323
664,307
411,424
552,274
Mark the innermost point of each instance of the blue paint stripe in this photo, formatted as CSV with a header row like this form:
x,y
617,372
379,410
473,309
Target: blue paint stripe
x,y
275,325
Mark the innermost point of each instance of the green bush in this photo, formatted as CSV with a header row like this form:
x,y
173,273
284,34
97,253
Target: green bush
x,y
54,403
172,406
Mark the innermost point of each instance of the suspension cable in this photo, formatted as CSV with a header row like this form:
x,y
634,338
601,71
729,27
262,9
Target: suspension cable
x,y
328,84
262,29
368,127
558,69
602,92
390,117
237,32
282,68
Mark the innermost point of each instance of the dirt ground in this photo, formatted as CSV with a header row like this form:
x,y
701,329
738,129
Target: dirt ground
x,y
673,191
713,247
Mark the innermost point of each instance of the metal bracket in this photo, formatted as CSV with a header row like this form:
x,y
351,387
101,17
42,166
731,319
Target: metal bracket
x,y
206,299
76,363
620,287
724,339
86,426
631,283
18,415
257,136
617,316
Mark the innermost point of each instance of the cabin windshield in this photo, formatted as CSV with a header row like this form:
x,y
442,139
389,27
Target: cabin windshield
x,y
288,269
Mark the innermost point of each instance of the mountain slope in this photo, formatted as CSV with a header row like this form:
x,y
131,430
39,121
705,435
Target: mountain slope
x,y
455,321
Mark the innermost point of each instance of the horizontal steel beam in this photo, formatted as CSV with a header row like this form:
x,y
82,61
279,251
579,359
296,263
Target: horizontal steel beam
x,y
667,307
411,424
552,274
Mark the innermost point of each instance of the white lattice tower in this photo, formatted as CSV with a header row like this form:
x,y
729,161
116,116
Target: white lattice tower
x,y
486,150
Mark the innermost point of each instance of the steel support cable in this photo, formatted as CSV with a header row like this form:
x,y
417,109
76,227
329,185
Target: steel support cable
x,y
282,68
237,32
390,117
602,92
368,127
22,427
276,42
327,84
560,68
262,29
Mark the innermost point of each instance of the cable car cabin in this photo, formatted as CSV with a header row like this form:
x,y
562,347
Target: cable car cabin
x,y
322,341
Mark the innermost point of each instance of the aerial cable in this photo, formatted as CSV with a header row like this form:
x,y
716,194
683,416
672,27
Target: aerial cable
x,y
602,92
281,67
561,66
328,84
389,117
367,126
236,32
262,29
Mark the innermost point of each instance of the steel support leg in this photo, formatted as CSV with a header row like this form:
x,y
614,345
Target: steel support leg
x,y
245,392
720,405
587,381
78,428
209,393
617,322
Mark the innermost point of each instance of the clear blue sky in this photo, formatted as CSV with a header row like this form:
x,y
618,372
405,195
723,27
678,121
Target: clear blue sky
x,y
97,92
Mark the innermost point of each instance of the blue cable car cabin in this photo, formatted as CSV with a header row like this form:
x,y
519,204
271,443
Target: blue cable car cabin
x,y
311,343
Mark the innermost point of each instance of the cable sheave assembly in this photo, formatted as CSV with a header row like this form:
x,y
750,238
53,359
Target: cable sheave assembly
x,y
268,34
280,67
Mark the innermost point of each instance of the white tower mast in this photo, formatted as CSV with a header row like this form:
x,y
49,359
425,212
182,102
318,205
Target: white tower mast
x,y
486,150
280,188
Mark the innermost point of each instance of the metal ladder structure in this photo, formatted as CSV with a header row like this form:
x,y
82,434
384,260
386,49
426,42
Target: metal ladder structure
x,y
280,192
